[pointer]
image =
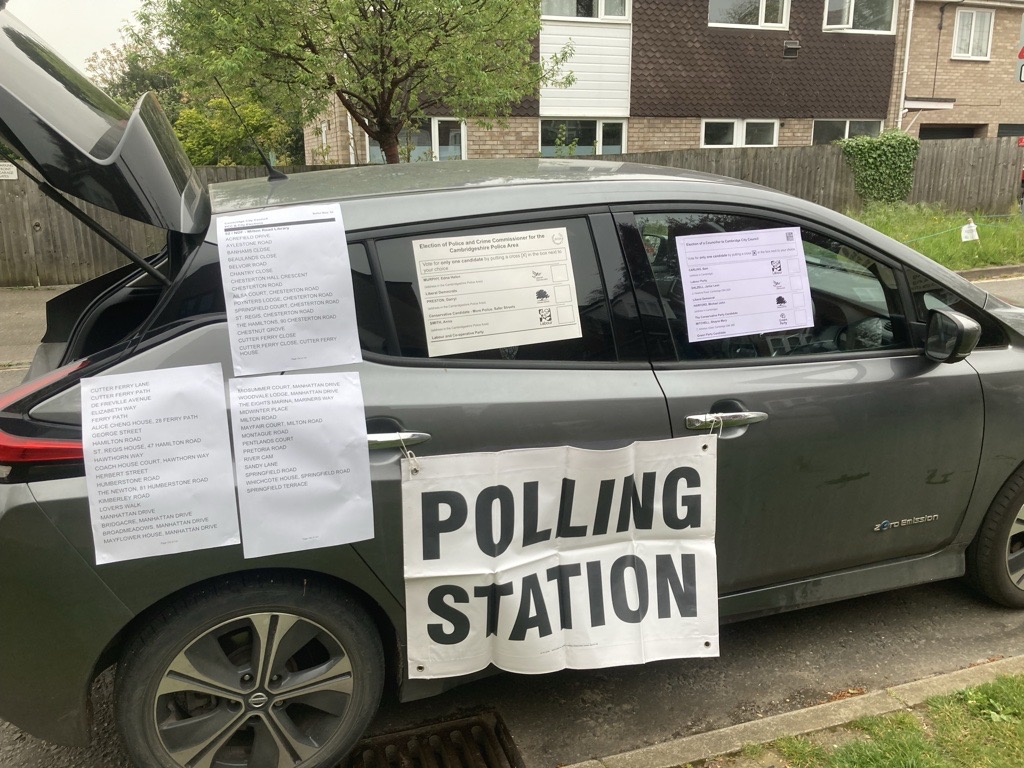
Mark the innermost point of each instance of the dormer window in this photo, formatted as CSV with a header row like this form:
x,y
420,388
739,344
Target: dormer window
x,y
773,14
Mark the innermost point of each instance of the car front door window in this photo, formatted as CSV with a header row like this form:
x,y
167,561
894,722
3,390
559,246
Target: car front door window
x,y
855,300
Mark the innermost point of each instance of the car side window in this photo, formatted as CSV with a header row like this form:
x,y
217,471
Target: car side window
x,y
854,298
398,268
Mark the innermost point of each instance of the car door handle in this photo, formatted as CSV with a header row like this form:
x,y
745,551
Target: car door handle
x,y
723,420
380,440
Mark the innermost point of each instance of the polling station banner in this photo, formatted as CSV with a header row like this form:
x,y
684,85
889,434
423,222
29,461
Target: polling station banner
x,y
551,558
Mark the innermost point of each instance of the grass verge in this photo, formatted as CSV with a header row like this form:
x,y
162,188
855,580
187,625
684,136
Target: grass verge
x,y
980,727
936,233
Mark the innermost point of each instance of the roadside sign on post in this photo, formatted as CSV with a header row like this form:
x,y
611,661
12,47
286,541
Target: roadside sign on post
x,y
1020,54
8,172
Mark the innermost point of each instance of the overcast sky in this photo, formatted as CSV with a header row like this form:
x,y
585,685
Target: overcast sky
x,y
76,29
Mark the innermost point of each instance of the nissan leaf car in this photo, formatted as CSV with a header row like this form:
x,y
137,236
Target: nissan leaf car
x,y
874,445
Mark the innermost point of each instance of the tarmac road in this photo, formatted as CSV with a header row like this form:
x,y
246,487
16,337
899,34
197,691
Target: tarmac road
x,y
767,666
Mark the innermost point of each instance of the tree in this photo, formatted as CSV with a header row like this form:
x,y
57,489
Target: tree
x,y
389,62
201,117
135,66
213,135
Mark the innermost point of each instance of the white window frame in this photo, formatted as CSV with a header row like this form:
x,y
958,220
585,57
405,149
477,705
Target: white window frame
x,y
599,131
761,24
601,15
846,129
847,27
739,133
973,13
435,150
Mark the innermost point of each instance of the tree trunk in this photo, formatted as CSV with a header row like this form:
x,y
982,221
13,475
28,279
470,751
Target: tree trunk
x,y
389,146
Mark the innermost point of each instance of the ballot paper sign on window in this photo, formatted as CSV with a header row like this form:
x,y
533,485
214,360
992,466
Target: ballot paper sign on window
x,y
544,559
158,462
288,289
501,289
740,283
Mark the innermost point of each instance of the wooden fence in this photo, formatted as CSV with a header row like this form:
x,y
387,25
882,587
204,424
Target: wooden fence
x,y
42,245
963,174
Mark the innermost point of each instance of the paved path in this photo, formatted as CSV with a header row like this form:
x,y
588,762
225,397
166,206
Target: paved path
x,y
23,321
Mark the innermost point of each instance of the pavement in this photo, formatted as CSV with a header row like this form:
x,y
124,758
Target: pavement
x,y
22,312
23,321
725,741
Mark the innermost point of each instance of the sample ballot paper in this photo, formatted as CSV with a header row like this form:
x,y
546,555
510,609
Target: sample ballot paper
x,y
288,289
496,291
739,283
158,462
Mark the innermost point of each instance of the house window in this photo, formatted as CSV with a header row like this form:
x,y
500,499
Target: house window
x,y
435,138
739,133
566,138
860,15
827,131
748,13
972,38
585,9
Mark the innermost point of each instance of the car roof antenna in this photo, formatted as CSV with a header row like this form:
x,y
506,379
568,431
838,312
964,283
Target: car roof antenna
x,y
112,239
272,173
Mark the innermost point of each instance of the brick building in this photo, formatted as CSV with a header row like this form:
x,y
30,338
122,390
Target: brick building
x,y
658,74
961,77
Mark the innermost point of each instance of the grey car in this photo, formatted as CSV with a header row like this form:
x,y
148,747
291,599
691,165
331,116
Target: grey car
x,y
877,448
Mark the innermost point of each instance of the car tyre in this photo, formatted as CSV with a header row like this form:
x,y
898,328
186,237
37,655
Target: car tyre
x,y
255,672
995,559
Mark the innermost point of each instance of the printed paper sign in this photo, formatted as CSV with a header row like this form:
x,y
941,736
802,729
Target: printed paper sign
x,y
740,283
554,558
498,290
288,289
302,462
158,462
969,232
8,172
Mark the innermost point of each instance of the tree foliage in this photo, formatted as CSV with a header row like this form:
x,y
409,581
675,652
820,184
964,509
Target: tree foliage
x,y
201,117
883,166
135,66
389,62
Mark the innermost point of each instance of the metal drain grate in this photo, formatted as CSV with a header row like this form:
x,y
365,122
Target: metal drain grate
x,y
473,742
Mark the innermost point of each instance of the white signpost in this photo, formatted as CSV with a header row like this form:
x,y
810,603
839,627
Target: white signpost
x,y
8,172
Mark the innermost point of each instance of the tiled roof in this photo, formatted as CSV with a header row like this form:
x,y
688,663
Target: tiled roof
x,y
684,68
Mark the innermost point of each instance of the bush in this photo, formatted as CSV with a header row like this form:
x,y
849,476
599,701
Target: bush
x,y
883,167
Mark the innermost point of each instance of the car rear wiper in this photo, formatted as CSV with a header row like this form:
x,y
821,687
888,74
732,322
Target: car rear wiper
x,y
113,240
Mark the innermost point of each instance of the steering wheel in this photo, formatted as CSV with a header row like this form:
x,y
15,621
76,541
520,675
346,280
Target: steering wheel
x,y
867,333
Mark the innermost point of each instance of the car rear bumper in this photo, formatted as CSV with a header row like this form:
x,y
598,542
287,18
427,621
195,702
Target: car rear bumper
x,y
56,618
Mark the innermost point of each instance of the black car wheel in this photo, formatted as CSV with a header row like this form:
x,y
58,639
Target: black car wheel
x,y
995,559
256,673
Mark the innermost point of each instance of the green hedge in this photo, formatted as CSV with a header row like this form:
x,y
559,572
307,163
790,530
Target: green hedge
x,y
883,167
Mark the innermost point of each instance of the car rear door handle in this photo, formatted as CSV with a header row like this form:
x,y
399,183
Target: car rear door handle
x,y
723,420
381,440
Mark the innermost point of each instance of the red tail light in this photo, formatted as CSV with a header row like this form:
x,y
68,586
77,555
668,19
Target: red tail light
x,y
23,450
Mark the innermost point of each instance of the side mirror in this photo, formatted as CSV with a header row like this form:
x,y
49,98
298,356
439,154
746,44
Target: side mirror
x,y
951,336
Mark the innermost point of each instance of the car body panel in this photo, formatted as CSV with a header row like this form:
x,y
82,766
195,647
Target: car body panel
x,y
58,617
847,446
469,410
